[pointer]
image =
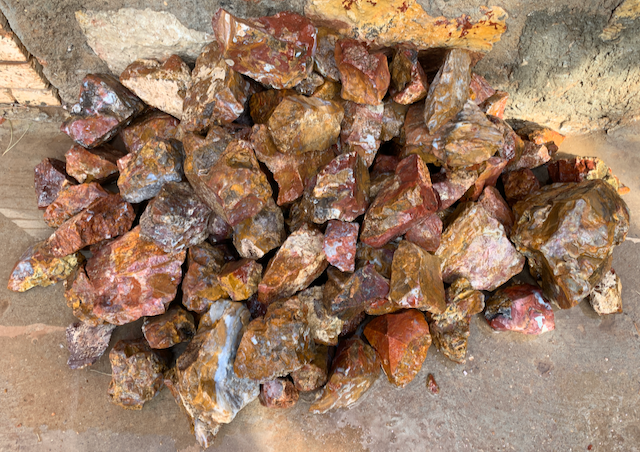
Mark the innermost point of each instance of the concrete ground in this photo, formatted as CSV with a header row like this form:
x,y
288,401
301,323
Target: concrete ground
x,y
576,388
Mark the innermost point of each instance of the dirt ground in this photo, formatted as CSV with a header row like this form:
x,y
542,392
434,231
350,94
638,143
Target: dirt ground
x,y
574,389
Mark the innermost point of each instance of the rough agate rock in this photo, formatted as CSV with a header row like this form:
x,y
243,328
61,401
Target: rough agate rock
x,y
577,169
481,90
531,156
278,393
426,234
263,103
361,129
50,179
168,329
381,258
137,373
495,104
325,327
451,185
99,164
408,80
154,124
161,85
393,118
256,236
81,297
384,167
488,173
539,134
276,50
201,285
103,108
71,201
340,239
568,232
348,296
364,76
519,184
38,267
491,200
314,374
513,146
355,368
520,308
606,296
240,278
87,343
324,60
309,85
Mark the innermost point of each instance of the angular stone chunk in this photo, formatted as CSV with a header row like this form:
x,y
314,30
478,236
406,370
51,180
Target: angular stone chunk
x,y
488,173
216,95
325,327
519,184
606,296
278,393
532,156
340,240
475,246
276,344
402,203
143,174
99,164
275,50
218,229
155,124
298,262
491,200
513,145
408,80
256,236
361,129
451,185
314,374
86,343
103,108
495,104
539,134
417,138
450,330
577,169
104,219
520,308
384,167
365,76
426,234
81,296
329,90
355,368
263,103
393,119
137,373
416,280
309,85
402,341
168,329
204,383
176,218
568,232
240,278
201,285
381,258
302,124
71,201
348,296
161,85
481,90
50,178
324,59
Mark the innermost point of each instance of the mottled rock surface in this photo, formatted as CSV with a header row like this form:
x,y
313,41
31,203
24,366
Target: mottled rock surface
x,y
99,164
314,374
493,202
201,285
519,184
154,124
364,76
606,296
349,295
408,80
361,129
426,234
520,308
577,169
71,201
278,393
168,329
87,343
325,326
340,240
240,278
50,178
256,236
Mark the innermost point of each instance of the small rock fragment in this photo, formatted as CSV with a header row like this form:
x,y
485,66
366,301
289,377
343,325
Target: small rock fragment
x,y
361,129
263,103
309,85
325,327
519,184
87,343
256,236
537,133
417,138
348,296
340,240
278,393
577,169
384,167
99,164
606,296
381,258
365,76
532,156
481,89
168,329
155,124
201,285
520,308
50,180
408,80
240,278
513,145
314,374
491,200
218,229
393,118
432,386
495,104
81,297
71,201
329,90
426,234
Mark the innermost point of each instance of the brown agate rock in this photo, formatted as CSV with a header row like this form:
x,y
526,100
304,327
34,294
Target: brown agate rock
x,y
263,103
520,308
276,344
426,234
393,118
384,167
329,90
99,164
105,218
488,173
81,296
401,340
451,185
341,191
143,174
104,107
340,240
324,59
325,327
86,343
137,373
204,383
365,77
161,85
38,267
450,330
256,236
491,200
298,262
314,374
302,124
361,129
416,281
475,246
71,201
201,284
350,295
519,184
537,133
217,94
309,85
513,146
168,329
606,296
408,80
355,368
532,156
381,258
278,393
176,218
568,232
577,169
449,90
432,385
152,125
218,229
240,278
402,203
481,90
495,104
50,179
275,50
417,138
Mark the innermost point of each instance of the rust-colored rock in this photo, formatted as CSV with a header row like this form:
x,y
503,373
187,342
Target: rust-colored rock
x,y
71,201
401,340
325,326
481,90
355,368
513,145
361,129
393,118
519,184
340,240
451,185
314,374
491,200
324,59
154,124
137,373
577,169
426,234
365,76
168,329
408,80
81,296
263,103
495,104
520,308
432,386
310,84
532,156
99,164
475,246
349,296
417,138
488,173
201,285
381,258
38,267
539,134
329,90
218,229
256,236
278,393
50,179
103,108
606,296
240,278
568,232
87,343
384,167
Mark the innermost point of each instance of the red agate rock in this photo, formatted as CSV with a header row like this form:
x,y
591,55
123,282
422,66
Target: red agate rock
x,y
340,240
240,278
168,329
384,167
256,236
218,229
355,368
364,76
278,393
495,104
451,185
324,326
103,108
402,203
426,234
519,184
520,308
87,343
606,296
401,340
432,386
50,178
324,60
38,267
497,207
532,156
105,218
137,373
297,263
71,201
393,118
348,296
513,145
81,297
408,80
475,246
418,139
275,50
577,169
161,85
99,164
381,258
488,173
154,124
263,103
201,285
481,89
361,129
539,134
309,85
315,373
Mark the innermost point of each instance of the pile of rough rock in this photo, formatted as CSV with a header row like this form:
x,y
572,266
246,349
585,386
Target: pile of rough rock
x,y
303,210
